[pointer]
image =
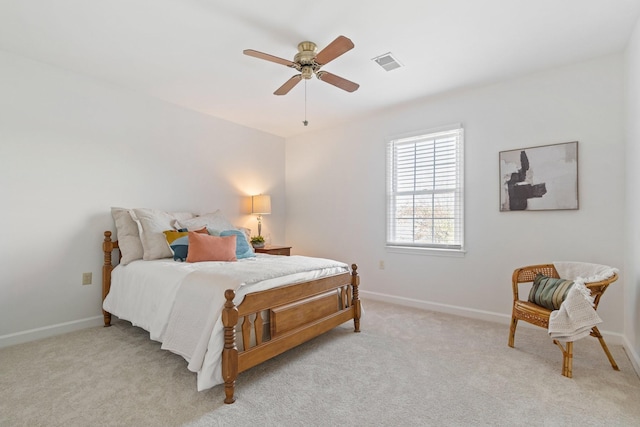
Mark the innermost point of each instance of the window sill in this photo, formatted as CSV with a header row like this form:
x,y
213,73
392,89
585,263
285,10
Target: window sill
x,y
457,253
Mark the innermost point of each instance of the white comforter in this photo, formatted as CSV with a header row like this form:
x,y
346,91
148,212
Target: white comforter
x,y
180,303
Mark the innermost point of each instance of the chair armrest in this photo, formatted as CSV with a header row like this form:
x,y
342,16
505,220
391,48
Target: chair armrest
x,y
598,288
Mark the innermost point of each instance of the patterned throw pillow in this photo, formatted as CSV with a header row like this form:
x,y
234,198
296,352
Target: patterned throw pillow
x,y
180,248
179,242
549,292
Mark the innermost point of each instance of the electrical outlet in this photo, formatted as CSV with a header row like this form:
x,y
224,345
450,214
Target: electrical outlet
x,y
86,278
381,265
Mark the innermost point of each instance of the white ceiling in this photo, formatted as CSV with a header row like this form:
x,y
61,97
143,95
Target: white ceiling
x,y
189,52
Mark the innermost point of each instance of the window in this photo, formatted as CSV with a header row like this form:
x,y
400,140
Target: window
x,y
425,190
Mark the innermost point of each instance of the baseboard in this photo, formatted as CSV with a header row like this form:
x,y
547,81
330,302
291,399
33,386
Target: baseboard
x,y
439,307
612,338
634,357
49,331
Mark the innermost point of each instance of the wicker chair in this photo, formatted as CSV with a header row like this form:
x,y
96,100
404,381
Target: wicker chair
x,y
539,316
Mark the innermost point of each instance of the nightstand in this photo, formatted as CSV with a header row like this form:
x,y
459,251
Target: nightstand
x,y
275,250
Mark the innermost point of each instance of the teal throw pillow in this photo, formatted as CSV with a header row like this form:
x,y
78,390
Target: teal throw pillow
x,y
243,249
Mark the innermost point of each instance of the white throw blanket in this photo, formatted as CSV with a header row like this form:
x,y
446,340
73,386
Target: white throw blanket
x,y
576,315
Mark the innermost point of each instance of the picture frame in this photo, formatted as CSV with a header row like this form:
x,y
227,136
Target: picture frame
x,y
539,178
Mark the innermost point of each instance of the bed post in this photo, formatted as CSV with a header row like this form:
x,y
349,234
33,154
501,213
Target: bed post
x,y
107,248
230,351
357,310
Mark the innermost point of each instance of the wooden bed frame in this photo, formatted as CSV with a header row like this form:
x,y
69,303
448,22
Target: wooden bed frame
x,y
296,313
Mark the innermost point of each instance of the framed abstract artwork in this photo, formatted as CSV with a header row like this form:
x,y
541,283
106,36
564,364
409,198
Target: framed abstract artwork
x,y
539,178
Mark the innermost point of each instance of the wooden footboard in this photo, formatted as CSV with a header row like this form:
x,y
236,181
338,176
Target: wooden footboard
x,y
294,314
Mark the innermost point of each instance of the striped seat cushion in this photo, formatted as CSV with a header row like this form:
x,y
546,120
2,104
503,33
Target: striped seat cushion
x,y
549,292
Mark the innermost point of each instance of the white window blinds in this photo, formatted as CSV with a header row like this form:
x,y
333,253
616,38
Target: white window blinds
x,y
425,190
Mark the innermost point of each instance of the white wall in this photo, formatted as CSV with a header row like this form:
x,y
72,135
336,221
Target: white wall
x,y
336,190
70,148
632,264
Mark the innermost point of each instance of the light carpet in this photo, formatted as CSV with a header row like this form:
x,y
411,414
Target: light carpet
x,y
407,367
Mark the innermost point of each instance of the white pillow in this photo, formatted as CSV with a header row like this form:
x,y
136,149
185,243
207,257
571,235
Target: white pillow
x,y
152,224
214,220
128,235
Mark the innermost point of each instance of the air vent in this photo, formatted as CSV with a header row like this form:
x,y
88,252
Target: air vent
x,y
387,61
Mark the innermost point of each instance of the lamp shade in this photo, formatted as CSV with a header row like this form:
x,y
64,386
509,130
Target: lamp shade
x,y
261,204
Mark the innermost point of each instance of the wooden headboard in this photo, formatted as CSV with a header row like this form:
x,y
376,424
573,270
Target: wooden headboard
x,y
107,247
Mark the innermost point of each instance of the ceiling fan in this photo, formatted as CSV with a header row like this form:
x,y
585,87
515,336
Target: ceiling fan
x,y
308,63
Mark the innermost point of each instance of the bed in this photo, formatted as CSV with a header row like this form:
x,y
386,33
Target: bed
x,y
244,322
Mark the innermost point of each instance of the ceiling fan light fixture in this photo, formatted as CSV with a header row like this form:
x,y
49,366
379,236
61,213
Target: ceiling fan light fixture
x,y
307,71
387,61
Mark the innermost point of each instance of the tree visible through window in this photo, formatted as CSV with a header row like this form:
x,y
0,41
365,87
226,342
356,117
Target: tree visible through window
x,y
425,190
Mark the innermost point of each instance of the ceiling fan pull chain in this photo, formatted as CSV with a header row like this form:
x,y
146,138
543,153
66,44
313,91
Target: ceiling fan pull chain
x,y
305,122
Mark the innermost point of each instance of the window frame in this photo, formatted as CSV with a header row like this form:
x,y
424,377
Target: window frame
x,y
457,248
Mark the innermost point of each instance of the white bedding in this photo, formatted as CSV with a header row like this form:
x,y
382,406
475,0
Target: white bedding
x,y
180,303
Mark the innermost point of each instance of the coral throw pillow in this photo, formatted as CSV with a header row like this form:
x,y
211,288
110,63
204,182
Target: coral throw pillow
x,y
203,247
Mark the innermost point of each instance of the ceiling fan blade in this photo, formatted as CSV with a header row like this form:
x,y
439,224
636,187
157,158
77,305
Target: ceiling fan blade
x,y
336,48
338,81
288,85
267,57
